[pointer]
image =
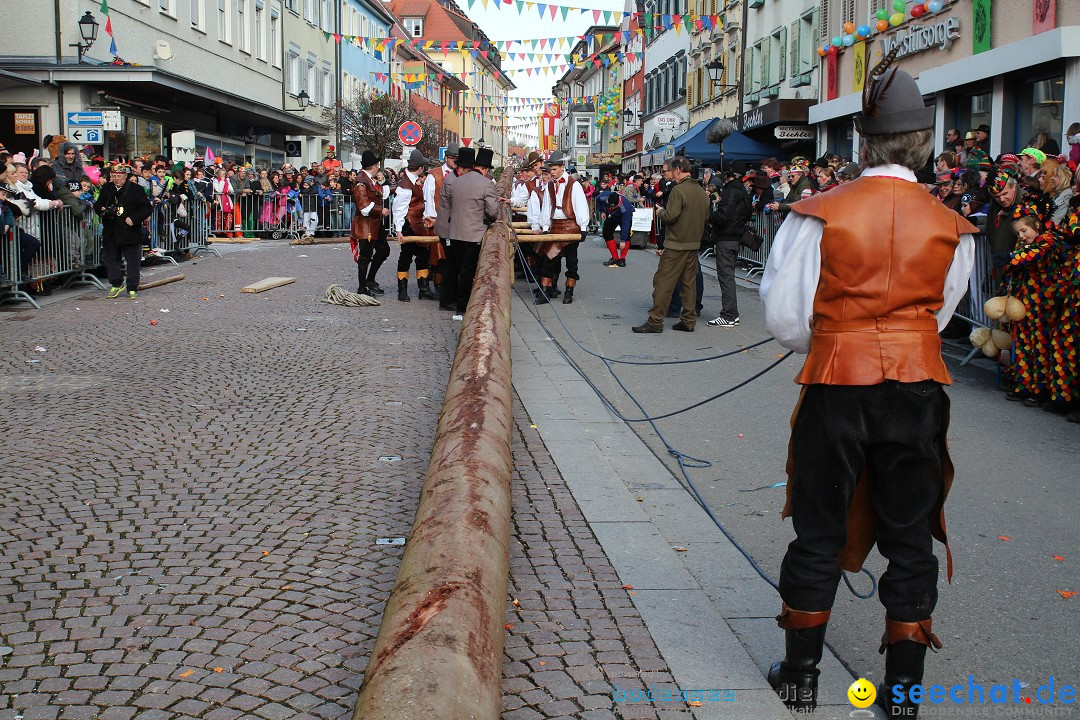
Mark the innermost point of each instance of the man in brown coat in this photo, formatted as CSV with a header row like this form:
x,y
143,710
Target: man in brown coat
x,y
685,215
469,204
367,236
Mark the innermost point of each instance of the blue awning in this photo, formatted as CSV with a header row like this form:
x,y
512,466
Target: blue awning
x,y
694,144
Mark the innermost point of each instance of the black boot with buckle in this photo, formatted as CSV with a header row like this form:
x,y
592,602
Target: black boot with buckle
x,y
904,645
795,678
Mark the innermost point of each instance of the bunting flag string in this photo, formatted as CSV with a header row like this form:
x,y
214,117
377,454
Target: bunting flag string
x,y
104,10
656,21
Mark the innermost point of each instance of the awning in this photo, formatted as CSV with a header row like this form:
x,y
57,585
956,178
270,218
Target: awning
x,y
171,95
10,79
736,146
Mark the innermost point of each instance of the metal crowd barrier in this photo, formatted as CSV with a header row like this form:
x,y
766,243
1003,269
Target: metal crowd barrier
x,y
62,246
766,225
279,215
982,285
175,230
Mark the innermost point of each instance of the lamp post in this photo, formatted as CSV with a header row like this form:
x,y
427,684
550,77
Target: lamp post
x,y
88,30
716,74
629,116
302,98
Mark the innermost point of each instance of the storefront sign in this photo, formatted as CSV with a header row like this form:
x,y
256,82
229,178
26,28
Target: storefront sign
x,y
604,159
794,132
778,111
112,121
25,123
753,119
916,37
630,145
667,121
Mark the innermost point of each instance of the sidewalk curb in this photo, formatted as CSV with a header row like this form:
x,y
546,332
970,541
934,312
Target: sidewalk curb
x,y
710,614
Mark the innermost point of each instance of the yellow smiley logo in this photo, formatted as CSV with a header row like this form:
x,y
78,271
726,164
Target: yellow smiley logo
x,y
862,693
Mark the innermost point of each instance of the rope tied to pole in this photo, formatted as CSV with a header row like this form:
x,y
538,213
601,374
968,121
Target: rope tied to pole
x,y
337,295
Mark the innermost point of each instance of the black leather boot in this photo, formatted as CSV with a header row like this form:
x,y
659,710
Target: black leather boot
x,y
425,290
403,289
568,296
361,269
795,678
542,295
904,645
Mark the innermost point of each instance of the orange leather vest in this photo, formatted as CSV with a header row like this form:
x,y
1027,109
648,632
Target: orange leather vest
x,y
365,191
885,252
567,200
415,213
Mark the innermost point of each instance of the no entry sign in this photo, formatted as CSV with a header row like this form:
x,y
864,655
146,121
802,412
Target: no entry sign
x,y
410,133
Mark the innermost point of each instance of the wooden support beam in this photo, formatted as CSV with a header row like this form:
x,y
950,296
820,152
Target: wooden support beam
x,y
160,281
267,284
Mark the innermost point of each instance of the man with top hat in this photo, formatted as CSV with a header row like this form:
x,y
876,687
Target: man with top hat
x,y
862,279
564,211
330,162
414,215
367,236
469,202
123,207
440,251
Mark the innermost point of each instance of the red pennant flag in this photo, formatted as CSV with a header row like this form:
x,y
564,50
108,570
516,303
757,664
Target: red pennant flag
x,y
484,53
337,38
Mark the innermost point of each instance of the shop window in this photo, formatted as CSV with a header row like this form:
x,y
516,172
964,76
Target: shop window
x,y
1040,107
139,138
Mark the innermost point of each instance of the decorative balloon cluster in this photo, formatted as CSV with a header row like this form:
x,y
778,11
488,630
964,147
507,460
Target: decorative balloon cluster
x,y
609,107
885,20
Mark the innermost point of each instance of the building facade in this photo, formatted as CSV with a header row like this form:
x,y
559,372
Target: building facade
x,y
311,67
184,76
1014,66
633,84
483,104
580,91
665,114
706,99
781,80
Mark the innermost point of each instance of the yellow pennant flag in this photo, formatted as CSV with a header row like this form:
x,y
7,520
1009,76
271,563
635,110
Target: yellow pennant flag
x,y
860,66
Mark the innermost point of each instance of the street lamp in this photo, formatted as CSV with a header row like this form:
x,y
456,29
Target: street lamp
x,y
629,116
88,29
716,73
481,144
302,98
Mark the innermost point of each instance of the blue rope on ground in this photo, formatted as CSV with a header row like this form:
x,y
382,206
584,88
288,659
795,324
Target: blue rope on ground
x,y
686,462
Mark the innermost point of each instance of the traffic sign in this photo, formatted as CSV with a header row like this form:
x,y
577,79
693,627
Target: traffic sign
x,y
442,154
111,120
91,136
410,133
85,119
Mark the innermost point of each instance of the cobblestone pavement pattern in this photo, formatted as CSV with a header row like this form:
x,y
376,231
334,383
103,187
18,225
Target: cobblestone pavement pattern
x,y
189,510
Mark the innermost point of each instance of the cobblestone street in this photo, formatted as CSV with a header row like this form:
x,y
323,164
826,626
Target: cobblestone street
x,y
190,509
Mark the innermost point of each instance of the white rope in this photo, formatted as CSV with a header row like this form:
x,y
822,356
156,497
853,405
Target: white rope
x,y
336,295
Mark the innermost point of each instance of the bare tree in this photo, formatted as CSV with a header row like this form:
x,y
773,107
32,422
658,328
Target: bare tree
x,y
371,120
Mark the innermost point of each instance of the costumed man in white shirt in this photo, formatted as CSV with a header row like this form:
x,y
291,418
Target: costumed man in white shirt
x,y
564,211
439,260
414,215
862,279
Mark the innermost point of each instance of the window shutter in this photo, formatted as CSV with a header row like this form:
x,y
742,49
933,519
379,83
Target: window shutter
x,y
690,95
766,75
781,62
823,19
795,49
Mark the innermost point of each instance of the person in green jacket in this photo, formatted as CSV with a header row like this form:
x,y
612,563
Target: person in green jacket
x,y
685,213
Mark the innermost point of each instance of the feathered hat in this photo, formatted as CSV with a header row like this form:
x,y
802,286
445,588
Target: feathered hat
x,y
892,102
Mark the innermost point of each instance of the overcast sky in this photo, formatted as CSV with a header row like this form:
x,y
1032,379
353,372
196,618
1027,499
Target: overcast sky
x,y
505,23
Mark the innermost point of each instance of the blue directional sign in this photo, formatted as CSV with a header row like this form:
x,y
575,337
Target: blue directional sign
x,y
85,119
91,136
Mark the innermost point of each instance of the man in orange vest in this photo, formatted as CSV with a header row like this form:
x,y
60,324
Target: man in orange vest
x,y
862,279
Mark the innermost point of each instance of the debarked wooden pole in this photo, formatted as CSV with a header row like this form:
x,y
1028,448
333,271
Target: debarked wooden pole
x,y
438,655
